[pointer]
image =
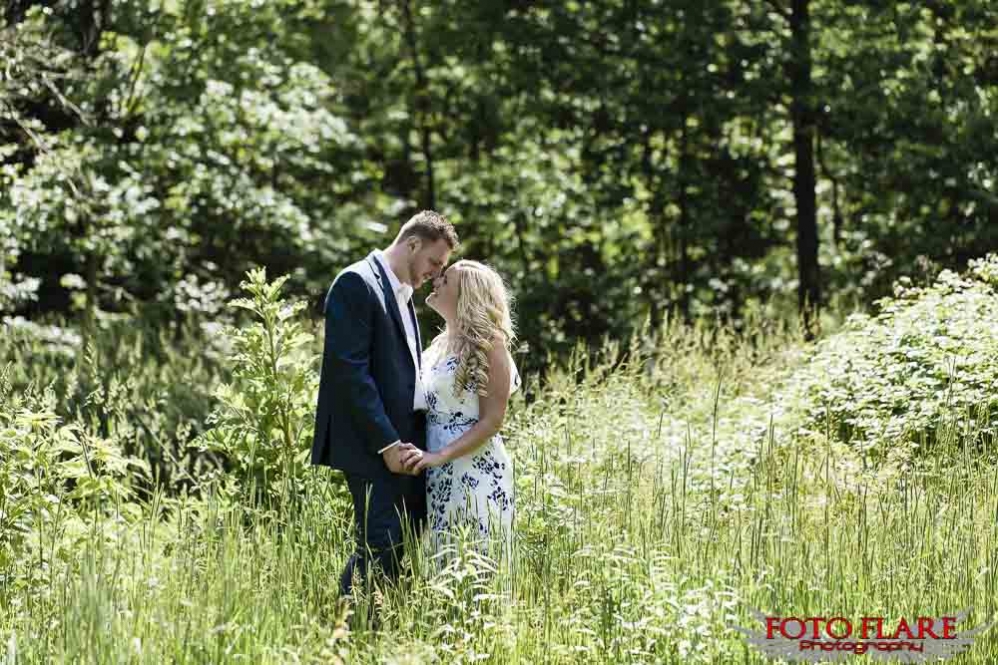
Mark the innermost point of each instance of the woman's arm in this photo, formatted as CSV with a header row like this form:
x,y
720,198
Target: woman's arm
x,y
491,412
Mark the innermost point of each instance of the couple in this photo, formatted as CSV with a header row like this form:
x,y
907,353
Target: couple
x,y
416,434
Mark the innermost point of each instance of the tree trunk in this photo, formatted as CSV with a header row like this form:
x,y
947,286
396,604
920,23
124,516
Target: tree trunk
x,y
421,105
683,265
653,282
802,114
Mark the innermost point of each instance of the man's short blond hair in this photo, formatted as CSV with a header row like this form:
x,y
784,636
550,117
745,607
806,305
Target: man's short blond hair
x,y
429,226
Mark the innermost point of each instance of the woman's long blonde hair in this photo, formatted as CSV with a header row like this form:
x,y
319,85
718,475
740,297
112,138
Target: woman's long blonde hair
x,y
484,312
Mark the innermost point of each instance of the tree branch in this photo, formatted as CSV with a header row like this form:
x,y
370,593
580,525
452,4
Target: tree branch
x,y
421,102
782,11
827,172
134,78
65,102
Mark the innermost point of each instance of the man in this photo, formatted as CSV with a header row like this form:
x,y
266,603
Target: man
x,y
371,405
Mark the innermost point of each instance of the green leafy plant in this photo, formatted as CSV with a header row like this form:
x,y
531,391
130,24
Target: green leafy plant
x,y
55,478
149,385
263,425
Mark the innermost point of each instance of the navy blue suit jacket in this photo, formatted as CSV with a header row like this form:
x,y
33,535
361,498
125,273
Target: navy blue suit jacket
x,y
367,380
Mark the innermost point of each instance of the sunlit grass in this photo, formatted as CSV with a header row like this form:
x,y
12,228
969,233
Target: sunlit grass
x,y
658,500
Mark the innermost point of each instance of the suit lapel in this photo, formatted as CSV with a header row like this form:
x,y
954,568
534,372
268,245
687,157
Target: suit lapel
x,y
391,302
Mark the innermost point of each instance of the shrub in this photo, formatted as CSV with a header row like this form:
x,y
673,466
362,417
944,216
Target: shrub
x,y
923,371
263,425
151,385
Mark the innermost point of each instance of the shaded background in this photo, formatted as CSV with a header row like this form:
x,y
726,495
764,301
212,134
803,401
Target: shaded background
x,y
618,161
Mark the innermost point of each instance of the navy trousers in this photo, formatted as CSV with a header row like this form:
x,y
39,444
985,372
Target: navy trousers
x,y
383,509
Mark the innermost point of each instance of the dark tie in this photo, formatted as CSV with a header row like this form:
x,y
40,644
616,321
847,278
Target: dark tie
x,y
415,327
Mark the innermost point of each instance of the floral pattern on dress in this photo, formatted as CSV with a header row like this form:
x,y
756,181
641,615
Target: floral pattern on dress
x,y
474,490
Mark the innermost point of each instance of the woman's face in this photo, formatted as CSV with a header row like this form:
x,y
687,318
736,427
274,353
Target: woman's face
x,y
443,299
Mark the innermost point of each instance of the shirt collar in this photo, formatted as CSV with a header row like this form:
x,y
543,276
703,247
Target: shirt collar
x,y
398,288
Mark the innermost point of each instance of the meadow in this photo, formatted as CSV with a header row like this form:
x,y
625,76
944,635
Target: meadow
x,y
665,488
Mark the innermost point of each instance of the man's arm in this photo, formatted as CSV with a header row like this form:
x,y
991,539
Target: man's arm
x,y
389,447
349,309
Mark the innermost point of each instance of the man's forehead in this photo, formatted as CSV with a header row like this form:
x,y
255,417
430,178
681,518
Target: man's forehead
x,y
442,252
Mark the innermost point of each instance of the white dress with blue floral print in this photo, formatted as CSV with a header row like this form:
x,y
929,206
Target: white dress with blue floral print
x,y
476,489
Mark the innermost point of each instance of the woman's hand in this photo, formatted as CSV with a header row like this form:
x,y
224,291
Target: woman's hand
x,y
428,459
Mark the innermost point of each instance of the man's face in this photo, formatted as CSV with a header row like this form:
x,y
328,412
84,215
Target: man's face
x,y
427,260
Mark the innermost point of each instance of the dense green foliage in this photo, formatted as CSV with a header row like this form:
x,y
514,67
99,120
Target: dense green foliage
x,y
56,478
924,369
263,426
134,382
616,160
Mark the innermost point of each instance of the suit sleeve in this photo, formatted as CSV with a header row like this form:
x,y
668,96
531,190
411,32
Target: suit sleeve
x,y
349,310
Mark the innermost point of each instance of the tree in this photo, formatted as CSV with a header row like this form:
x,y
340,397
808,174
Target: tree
x,y
190,140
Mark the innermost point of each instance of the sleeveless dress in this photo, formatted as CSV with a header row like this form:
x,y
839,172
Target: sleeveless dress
x,y
474,491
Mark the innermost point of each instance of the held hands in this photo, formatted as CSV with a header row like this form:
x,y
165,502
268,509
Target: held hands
x,y
395,458
417,460
407,459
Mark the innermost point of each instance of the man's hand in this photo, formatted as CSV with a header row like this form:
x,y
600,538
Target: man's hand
x,y
410,458
396,457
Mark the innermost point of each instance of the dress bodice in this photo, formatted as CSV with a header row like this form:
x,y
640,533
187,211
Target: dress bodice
x,y
443,404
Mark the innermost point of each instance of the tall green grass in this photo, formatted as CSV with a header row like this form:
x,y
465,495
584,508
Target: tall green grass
x,y
662,493
148,386
633,545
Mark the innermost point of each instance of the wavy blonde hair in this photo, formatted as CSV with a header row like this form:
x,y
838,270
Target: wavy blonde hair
x,y
484,312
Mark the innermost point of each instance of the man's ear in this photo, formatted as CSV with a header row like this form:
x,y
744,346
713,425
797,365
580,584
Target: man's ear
x,y
415,243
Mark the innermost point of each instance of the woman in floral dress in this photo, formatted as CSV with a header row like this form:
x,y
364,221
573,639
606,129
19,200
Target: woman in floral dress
x,y
469,375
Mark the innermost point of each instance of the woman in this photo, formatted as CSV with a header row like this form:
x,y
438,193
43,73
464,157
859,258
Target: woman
x,y
469,375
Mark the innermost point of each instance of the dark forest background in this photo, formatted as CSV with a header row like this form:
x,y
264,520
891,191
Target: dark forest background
x,y
618,161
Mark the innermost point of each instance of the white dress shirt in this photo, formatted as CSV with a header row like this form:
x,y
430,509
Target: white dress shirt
x,y
403,293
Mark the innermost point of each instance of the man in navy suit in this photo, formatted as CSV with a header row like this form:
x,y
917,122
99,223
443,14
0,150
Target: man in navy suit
x,y
371,405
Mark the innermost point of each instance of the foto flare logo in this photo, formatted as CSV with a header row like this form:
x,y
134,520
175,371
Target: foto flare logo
x,y
833,638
